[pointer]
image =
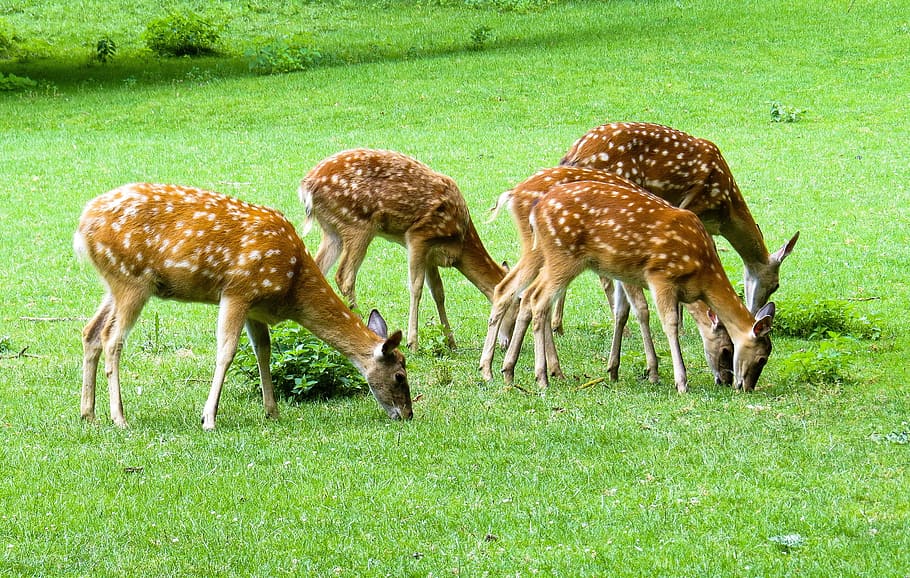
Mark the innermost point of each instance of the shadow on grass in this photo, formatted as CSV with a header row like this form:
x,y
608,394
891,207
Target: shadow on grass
x,y
72,70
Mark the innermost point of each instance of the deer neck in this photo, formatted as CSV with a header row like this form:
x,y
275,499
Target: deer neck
x,y
329,319
744,235
477,265
724,301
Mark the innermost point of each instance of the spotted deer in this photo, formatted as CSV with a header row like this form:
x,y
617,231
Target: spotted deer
x,y
357,195
690,173
176,242
622,231
521,200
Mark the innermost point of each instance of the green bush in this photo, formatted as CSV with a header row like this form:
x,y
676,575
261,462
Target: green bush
x,y
303,366
825,364
183,34
11,82
817,318
8,39
280,55
105,49
783,113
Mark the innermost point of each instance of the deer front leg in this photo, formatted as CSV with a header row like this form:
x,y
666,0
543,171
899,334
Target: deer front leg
x,y
258,333
668,309
437,292
231,314
417,257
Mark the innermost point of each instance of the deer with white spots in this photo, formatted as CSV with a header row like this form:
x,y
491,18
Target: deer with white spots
x,y
521,200
619,230
183,243
690,173
357,195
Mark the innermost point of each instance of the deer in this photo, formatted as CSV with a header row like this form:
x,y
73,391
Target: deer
x,y
359,194
690,173
520,200
622,231
183,243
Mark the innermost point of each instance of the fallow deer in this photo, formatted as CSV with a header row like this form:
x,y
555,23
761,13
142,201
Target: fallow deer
x,y
520,200
622,231
690,173
357,195
184,243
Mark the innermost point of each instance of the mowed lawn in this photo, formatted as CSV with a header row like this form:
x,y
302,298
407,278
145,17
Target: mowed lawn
x,y
806,476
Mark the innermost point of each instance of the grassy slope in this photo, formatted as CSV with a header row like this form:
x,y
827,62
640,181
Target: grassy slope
x,y
621,479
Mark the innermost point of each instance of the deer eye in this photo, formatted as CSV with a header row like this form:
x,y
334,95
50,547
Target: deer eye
x,y
401,378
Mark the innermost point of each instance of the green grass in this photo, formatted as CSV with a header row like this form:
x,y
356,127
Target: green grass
x,y
623,478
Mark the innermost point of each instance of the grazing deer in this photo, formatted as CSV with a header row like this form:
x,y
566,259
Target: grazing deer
x,y
187,244
359,194
690,173
622,231
521,200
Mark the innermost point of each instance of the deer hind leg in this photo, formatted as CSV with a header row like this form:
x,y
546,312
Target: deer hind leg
x,y
329,248
354,249
92,347
505,303
620,306
258,333
668,308
231,318
546,360
127,304
636,296
437,292
522,321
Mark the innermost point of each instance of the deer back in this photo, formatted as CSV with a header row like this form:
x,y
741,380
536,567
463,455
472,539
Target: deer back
x,y
384,192
622,231
189,244
687,171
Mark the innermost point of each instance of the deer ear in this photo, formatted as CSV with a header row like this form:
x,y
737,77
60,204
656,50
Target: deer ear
x,y
377,324
715,321
782,253
763,321
392,343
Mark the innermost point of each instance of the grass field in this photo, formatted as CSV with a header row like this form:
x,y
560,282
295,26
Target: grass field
x,y
805,476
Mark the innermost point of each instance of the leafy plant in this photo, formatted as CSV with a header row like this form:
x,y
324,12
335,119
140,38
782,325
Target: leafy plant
x,y
183,34
280,55
303,366
783,113
8,39
480,36
11,82
825,364
105,49
5,344
819,317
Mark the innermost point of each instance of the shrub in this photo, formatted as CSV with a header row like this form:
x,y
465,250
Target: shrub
x,y
11,82
783,113
105,49
8,39
303,366
279,55
818,318
480,36
182,34
825,364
